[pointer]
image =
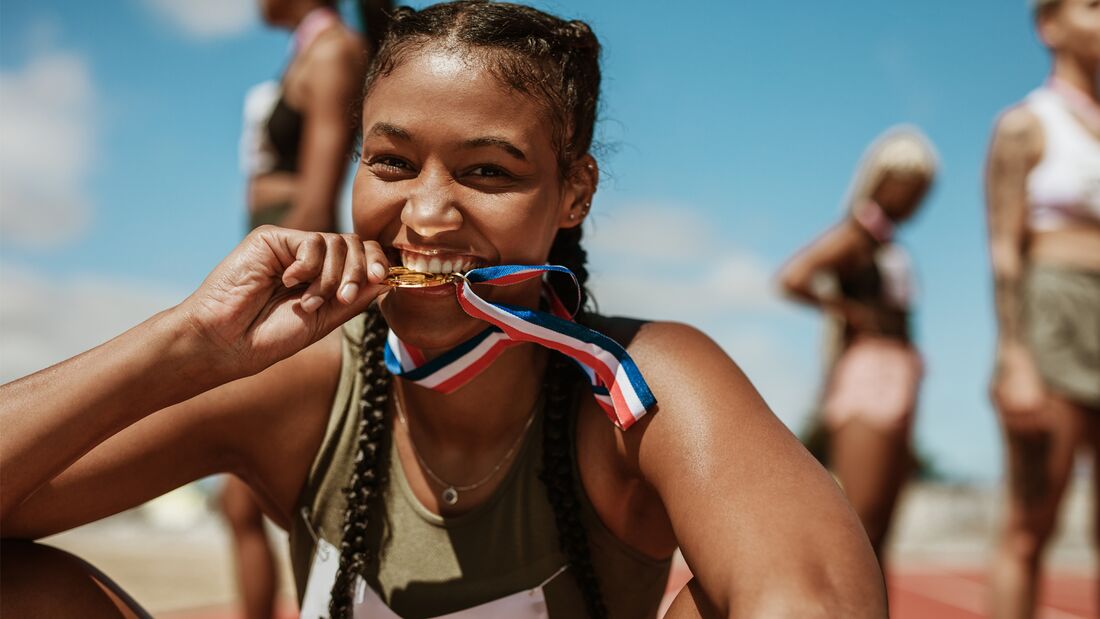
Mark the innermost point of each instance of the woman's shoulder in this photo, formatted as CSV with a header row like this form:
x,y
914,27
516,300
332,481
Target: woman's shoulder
x,y
679,362
337,43
1019,123
652,343
707,409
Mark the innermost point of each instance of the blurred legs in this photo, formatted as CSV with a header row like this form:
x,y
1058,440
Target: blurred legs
x,y
1039,465
256,572
872,464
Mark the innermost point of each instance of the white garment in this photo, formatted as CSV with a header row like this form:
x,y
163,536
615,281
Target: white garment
x,y
1064,188
257,156
528,604
895,268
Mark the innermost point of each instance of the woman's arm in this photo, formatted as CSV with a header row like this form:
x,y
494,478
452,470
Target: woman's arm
x,y
839,248
334,67
250,313
1017,147
765,530
230,428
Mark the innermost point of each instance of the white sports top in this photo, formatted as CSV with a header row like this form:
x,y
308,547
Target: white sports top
x,y
1063,190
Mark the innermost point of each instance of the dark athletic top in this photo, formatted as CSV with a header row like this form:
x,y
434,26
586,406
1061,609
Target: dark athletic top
x,y
865,286
284,129
431,565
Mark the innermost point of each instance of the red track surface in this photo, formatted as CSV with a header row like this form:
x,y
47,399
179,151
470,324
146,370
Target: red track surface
x,y
963,594
916,593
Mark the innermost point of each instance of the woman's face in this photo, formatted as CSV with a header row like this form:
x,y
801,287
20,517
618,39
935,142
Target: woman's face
x,y
457,172
900,195
1073,27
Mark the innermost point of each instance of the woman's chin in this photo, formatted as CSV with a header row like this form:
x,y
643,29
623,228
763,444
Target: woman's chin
x,y
425,319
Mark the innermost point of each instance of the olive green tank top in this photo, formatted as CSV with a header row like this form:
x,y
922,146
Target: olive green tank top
x,y
428,565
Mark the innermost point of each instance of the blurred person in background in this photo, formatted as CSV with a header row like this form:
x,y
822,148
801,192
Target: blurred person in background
x,y
298,132
862,281
295,149
507,492
1043,197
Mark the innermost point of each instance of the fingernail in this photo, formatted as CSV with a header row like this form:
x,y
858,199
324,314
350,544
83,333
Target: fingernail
x,y
290,282
311,303
378,270
349,291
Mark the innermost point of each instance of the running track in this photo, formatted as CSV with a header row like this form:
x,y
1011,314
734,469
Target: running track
x,y
915,593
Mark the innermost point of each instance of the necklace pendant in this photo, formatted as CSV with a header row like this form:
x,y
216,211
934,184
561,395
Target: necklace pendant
x,y
449,495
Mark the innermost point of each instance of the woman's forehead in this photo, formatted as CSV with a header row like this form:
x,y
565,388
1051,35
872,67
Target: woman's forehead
x,y
444,92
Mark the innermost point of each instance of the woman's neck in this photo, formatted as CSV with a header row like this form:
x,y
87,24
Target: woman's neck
x,y
1078,75
489,408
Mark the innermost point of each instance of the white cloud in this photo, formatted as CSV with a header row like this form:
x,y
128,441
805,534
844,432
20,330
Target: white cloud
x,y
44,320
205,19
47,142
671,263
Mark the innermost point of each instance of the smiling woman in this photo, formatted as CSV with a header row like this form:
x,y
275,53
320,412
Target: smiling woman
x,y
502,489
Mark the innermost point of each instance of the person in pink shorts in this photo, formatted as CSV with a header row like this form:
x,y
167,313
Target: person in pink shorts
x,y
861,279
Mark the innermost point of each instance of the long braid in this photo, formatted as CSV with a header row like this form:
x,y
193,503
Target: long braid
x,y
368,480
558,470
557,63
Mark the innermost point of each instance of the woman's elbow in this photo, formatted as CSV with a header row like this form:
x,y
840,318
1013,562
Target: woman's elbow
x,y
785,279
794,285
844,584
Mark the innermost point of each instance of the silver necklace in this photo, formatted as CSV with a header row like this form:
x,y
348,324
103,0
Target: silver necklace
x,y
449,495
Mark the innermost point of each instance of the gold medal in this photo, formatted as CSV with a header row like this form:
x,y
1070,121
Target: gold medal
x,y
400,277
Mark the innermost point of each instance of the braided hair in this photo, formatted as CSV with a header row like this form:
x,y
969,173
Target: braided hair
x,y
555,62
369,477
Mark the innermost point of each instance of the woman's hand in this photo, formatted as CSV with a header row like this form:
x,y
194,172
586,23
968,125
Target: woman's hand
x,y
1018,391
280,291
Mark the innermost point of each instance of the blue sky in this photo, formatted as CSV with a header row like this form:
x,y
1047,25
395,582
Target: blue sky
x,y
731,133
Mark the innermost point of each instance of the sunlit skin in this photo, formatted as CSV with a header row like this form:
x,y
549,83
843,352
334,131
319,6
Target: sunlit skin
x,y
1043,430
711,471
447,173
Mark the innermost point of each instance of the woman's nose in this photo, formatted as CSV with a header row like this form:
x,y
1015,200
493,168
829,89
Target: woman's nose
x,y
431,208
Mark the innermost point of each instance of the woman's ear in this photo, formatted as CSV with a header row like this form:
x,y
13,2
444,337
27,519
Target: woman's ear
x,y
1048,29
580,187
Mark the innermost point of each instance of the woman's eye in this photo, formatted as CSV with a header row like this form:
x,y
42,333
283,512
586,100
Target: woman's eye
x,y
389,164
489,171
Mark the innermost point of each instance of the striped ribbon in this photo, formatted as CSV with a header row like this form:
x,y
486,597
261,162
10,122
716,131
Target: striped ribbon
x,y
616,382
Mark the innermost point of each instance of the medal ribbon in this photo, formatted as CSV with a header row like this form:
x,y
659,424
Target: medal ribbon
x,y
616,382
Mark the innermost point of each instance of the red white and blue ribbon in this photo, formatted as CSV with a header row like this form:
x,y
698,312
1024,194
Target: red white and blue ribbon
x,y
616,382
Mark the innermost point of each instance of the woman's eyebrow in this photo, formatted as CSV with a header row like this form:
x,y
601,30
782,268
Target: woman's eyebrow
x,y
497,142
388,130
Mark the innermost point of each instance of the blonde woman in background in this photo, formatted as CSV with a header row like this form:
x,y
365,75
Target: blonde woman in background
x,y
1043,194
861,279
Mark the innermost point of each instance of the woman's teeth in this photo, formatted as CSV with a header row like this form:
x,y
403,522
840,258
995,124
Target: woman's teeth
x,y
436,264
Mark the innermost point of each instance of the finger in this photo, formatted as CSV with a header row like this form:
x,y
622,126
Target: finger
x,y
324,287
367,267
308,262
355,270
378,265
335,314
